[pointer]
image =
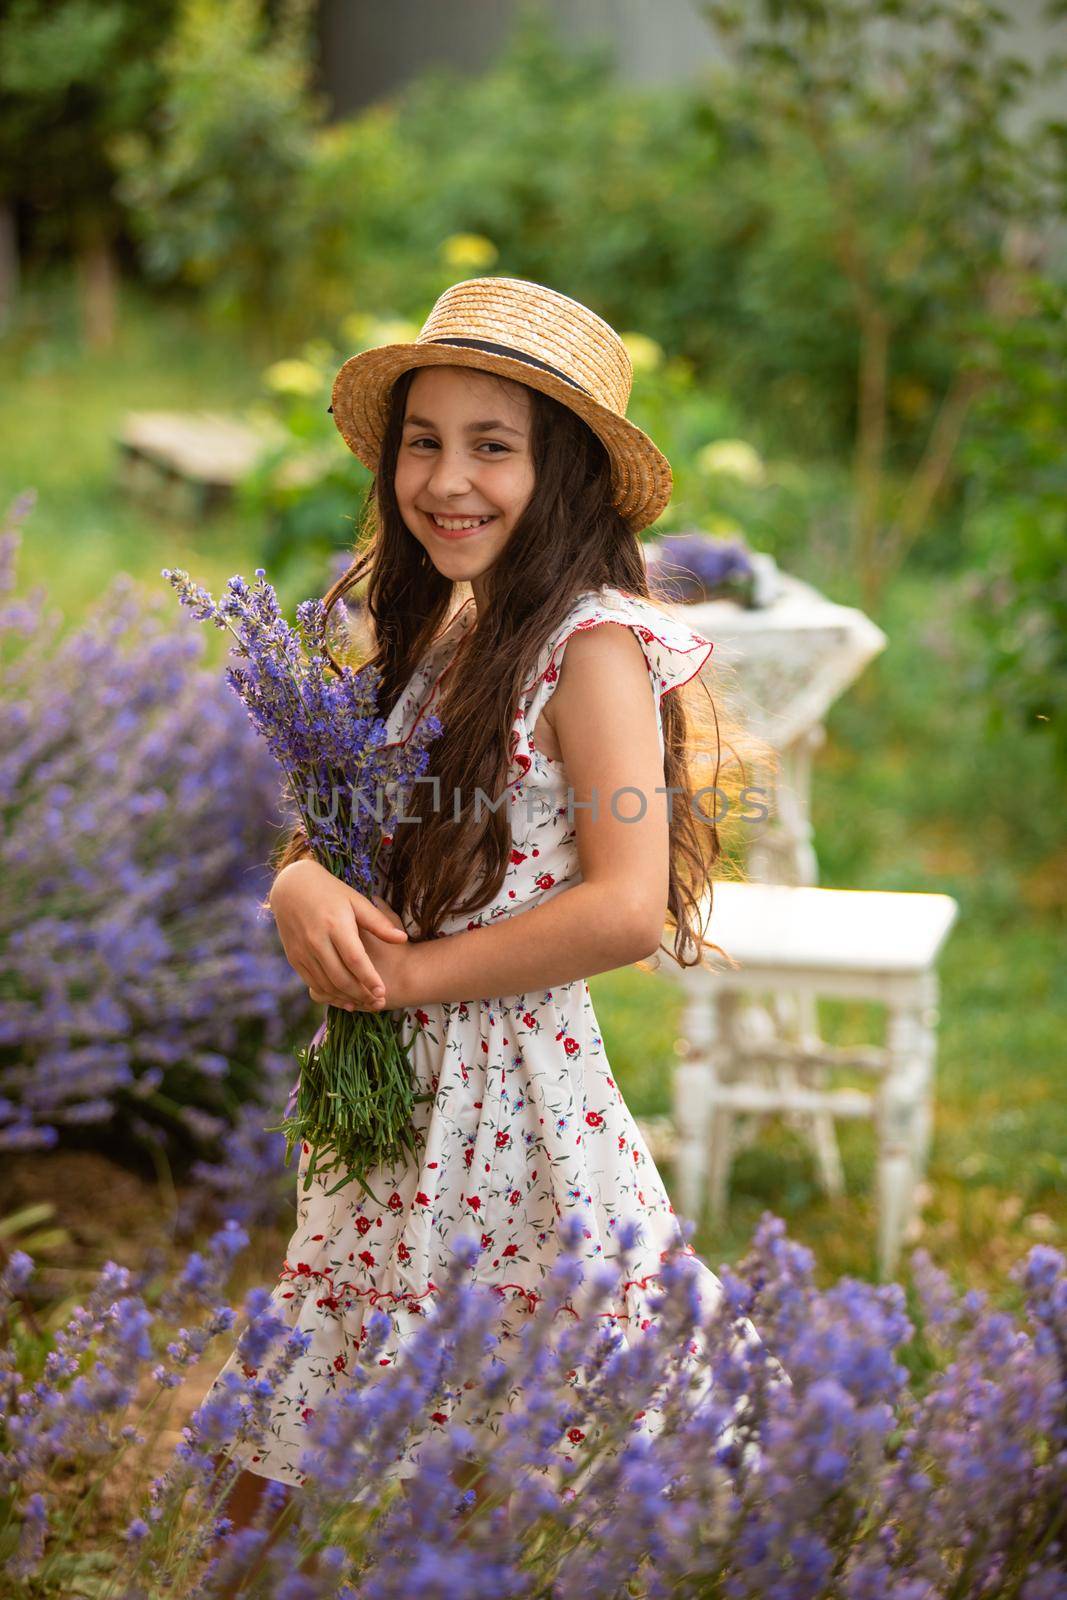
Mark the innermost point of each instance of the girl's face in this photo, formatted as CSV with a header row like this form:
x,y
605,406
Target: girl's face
x,y
464,455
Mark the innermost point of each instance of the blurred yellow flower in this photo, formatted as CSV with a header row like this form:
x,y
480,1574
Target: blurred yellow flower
x,y
732,458
468,250
293,377
645,354
356,327
368,332
394,331
319,352
332,139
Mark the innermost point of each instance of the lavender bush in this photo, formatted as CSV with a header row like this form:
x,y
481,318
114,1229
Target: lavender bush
x,y
849,1480
142,992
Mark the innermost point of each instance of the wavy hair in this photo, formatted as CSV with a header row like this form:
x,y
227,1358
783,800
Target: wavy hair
x,y
568,539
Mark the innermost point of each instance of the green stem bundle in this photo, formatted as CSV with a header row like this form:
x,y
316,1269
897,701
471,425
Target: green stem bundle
x,y
355,1099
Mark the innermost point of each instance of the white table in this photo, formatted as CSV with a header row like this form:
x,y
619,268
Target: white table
x,y
778,669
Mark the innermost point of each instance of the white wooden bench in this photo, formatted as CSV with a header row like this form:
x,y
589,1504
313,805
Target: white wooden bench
x,y
744,1061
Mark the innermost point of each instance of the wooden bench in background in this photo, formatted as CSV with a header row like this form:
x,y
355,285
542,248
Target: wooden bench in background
x,y
188,463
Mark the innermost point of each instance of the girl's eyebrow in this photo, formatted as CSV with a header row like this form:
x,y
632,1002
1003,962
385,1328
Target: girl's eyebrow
x,y
472,427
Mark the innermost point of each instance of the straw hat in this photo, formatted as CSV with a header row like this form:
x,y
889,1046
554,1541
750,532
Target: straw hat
x,y
538,337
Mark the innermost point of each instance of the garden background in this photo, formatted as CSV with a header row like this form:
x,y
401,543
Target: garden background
x,y
856,272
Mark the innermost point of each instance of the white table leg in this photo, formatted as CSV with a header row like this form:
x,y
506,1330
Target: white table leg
x,y
926,1048
899,1124
691,1100
788,855
721,1130
781,849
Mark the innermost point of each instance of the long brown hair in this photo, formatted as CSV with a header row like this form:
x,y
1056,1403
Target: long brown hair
x,y
568,539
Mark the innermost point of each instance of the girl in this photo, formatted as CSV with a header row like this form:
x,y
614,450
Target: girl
x,y
504,466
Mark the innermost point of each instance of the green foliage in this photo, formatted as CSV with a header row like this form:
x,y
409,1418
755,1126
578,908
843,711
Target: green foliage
x,y
1017,527
939,184
305,492
211,185
74,75
60,409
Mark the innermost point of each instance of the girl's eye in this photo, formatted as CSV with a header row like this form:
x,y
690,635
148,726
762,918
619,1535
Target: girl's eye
x,y
494,442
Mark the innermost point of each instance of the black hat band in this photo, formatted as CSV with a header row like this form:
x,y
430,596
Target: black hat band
x,y
505,350
516,355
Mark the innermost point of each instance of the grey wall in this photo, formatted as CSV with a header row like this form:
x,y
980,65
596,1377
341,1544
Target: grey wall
x,y
369,48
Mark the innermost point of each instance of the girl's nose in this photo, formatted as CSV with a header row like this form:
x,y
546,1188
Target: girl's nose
x,y
450,475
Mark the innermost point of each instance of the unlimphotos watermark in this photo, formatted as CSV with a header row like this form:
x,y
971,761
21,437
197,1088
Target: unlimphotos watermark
x,y
536,804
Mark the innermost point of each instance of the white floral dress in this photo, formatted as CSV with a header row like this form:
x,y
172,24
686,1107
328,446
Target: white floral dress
x,y
527,1122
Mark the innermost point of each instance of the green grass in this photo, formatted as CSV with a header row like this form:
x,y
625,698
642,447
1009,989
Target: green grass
x,y
911,791
61,407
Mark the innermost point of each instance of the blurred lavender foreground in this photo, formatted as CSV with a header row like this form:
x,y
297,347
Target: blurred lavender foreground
x,y
142,992
862,1477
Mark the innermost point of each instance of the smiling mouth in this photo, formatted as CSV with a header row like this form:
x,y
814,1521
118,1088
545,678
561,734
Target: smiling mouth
x,y
460,524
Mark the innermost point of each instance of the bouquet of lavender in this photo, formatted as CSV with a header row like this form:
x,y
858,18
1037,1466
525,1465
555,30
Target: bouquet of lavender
x,y
354,1100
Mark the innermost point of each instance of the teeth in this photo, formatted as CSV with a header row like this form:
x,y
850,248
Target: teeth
x,y
453,523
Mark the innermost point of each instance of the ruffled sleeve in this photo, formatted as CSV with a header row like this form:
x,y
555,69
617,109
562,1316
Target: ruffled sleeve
x,y
673,652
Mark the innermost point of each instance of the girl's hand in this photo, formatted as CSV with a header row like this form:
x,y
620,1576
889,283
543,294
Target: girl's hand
x,y
325,927
396,965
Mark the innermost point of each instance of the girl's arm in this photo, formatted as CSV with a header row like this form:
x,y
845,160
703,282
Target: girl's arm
x,y
605,718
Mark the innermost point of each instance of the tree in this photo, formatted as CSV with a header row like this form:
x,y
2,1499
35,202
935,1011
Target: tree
x,y
213,181
936,168
73,75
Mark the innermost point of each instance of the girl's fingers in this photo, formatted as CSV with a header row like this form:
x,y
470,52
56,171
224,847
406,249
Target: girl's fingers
x,y
310,970
393,923
350,971
327,988
323,968
344,1002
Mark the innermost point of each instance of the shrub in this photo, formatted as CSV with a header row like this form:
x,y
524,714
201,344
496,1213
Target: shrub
x,y
143,997
1017,530
211,178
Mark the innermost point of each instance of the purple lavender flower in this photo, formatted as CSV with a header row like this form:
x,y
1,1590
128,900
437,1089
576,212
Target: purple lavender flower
x,y
866,1484
142,993
696,566
355,1096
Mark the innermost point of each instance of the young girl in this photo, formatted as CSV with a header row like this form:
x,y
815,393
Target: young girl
x,y
504,466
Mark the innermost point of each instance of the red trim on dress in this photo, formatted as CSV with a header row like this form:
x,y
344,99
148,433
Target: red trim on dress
x,y
600,622
531,1296
692,675
452,619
